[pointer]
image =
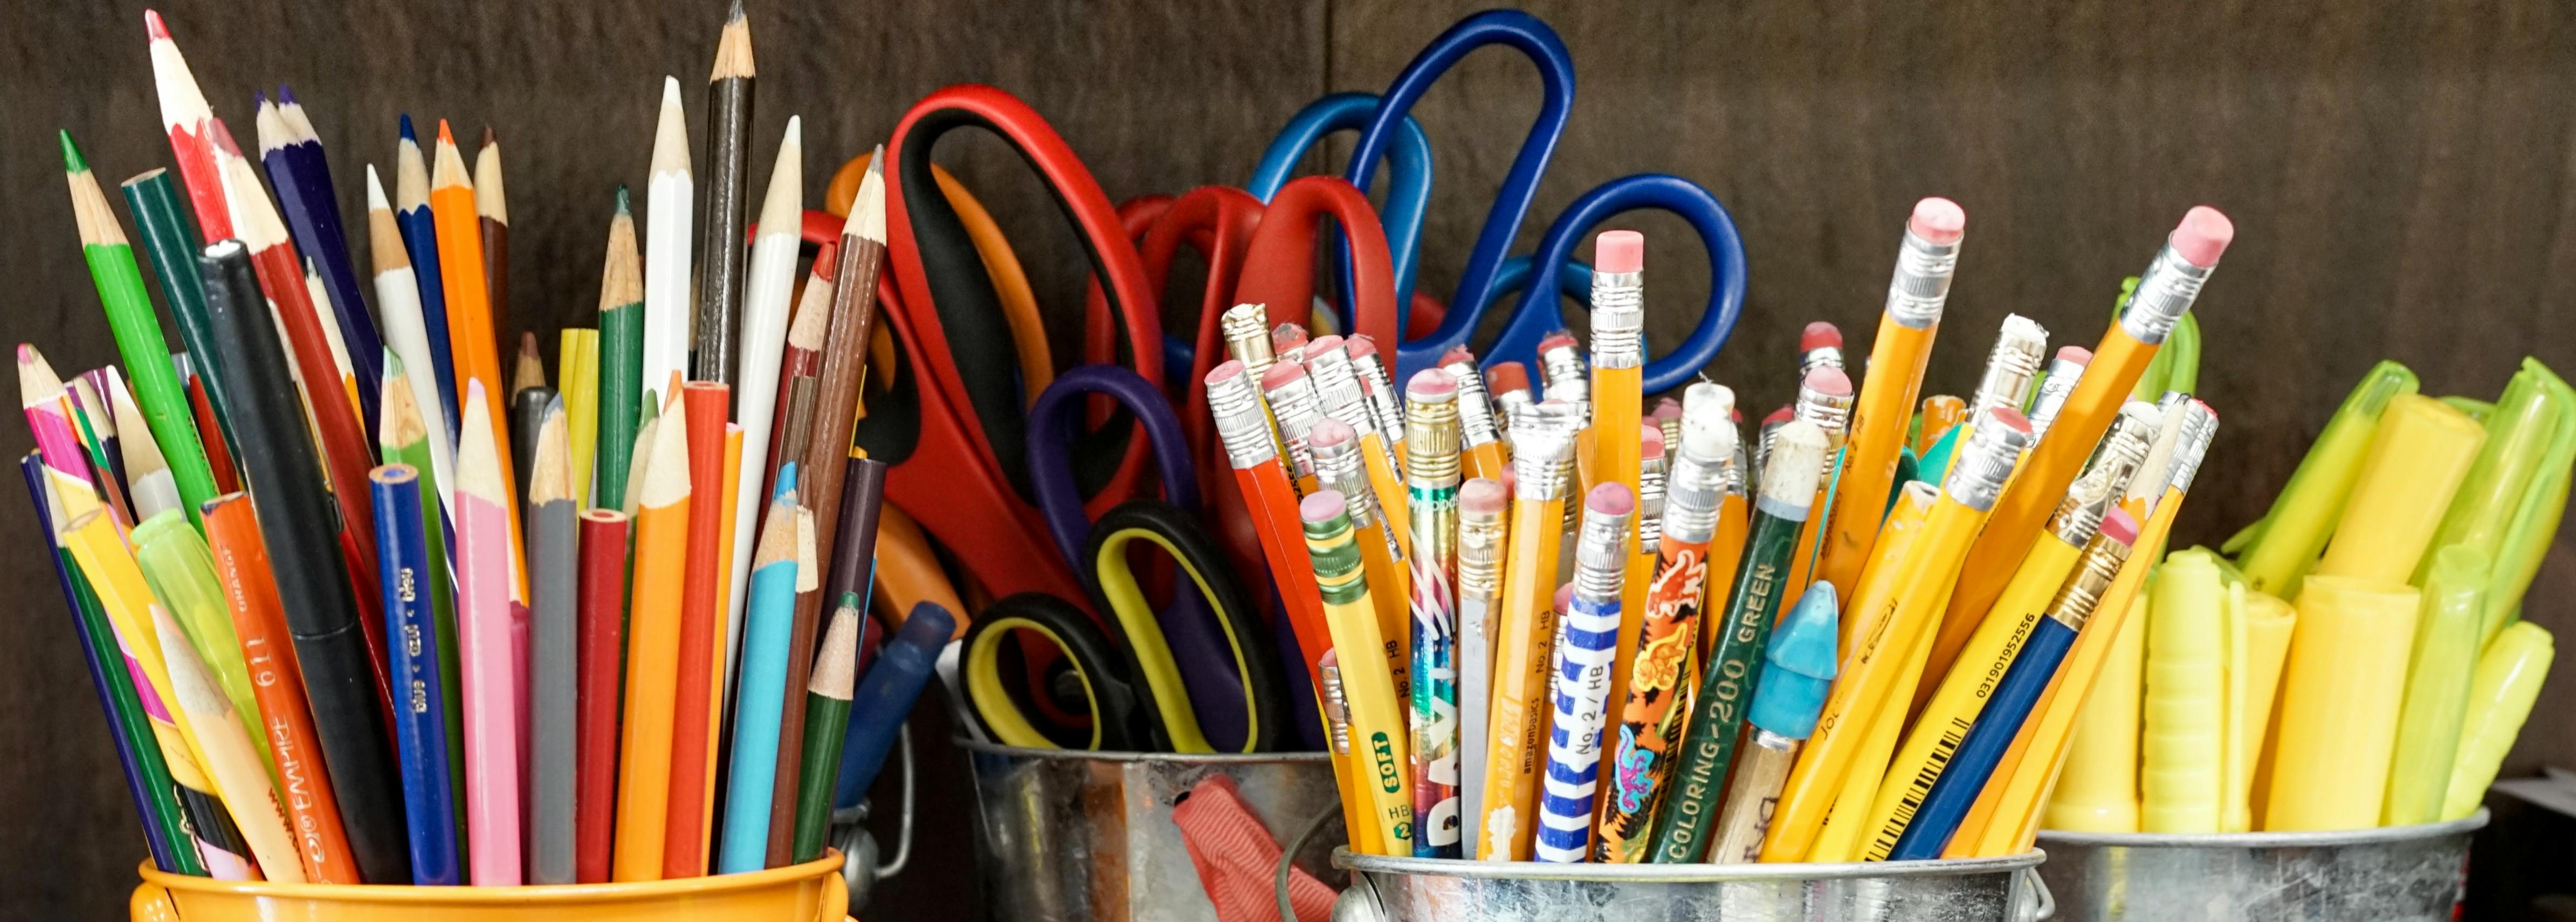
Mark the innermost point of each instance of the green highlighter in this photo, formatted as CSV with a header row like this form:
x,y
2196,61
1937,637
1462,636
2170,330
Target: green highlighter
x,y
181,572
2276,552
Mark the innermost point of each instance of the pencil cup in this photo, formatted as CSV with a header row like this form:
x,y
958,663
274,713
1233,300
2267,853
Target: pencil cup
x,y
1384,889
2388,874
1061,834
809,891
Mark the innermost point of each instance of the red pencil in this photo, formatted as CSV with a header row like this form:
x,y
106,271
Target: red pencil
x,y
602,609
684,848
186,117
218,455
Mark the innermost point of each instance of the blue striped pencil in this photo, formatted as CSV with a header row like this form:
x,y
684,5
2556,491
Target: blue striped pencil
x,y
1587,641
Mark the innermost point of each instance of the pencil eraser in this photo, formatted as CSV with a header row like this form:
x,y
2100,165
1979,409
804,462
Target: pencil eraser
x,y
1779,416
1457,354
1650,440
1560,339
1506,377
1565,597
1938,221
1666,408
1511,482
2203,234
2008,418
2118,526
1323,506
1359,344
1483,496
1431,384
1225,371
1619,251
1820,335
1281,375
1329,432
1287,336
2076,354
1323,344
1828,380
1610,499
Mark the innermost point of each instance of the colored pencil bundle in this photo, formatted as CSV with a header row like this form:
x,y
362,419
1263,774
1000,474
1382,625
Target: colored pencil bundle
x,y
414,664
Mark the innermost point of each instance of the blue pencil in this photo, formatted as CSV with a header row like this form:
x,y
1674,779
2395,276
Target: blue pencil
x,y
420,239
885,696
420,717
291,154
770,607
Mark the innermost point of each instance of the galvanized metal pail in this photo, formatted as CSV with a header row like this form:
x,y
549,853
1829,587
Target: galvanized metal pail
x,y
1066,835
1386,889
2396,873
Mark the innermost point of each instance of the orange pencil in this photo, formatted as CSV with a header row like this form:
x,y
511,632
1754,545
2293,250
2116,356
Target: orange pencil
x,y
653,650
471,340
684,849
241,566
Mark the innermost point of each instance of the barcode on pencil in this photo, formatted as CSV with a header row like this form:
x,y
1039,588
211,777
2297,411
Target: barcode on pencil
x,y
1920,788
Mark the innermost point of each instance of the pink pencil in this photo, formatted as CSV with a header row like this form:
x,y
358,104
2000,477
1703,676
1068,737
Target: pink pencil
x,y
49,417
484,629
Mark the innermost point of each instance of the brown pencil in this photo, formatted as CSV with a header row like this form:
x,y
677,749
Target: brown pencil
x,y
845,353
492,214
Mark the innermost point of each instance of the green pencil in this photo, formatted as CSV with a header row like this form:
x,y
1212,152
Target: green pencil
x,y
827,720
405,440
1789,479
170,240
621,358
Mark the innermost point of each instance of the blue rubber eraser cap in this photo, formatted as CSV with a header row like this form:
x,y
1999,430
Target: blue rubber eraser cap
x,y
930,625
1798,672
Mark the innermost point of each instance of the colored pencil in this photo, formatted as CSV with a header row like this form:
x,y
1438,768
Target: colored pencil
x,y
578,361
621,357
344,678
692,734
603,607
652,651
802,359
119,281
527,421
291,153
235,766
720,248
171,242
764,331
529,367
472,337
667,278
188,121
96,431
148,479
218,456
420,721
553,654
420,238
50,418
492,218
492,784
852,570
771,610
827,720
409,441
147,775
407,336
175,564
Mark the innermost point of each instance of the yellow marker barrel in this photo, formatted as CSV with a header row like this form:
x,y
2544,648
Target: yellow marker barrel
x,y
2339,700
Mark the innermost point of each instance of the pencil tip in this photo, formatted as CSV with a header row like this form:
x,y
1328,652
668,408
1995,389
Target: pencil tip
x,y
72,162
445,136
407,134
285,96
488,139
670,91
735,14
623,207
154,27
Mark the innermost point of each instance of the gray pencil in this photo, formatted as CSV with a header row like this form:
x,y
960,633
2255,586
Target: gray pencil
x,y
552,654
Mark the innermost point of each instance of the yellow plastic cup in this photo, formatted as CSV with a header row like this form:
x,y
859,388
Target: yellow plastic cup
x,y
797,893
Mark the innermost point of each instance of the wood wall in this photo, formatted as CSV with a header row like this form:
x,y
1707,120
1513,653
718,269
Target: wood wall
x,y
2398,173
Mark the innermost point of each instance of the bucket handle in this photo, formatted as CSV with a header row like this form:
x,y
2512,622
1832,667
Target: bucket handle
x,y
1288,858
2031,901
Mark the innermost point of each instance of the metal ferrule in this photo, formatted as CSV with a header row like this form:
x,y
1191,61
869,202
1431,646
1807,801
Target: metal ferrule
x,y
1431,441
1922,283
2199,426
2011,367
2053,391
1672,426
1475,412
1618,319
1762,446
1541,453
1819,357
1295,407
1830,412
1650,504
1379,386
1480,554
1568,379
1337,388
2106,479
2093,573
1507,407
1984,465
1693,491
2164,292
1337,467
1337,709
1242,423
1601,555
1247,337
1739,473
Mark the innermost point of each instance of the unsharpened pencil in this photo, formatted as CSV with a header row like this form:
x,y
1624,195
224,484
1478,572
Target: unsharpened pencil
x,y
171,242
693,732
603,610
409,441
421,726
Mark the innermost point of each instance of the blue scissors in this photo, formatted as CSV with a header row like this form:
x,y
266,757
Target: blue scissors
x,y
1486,275
1198,676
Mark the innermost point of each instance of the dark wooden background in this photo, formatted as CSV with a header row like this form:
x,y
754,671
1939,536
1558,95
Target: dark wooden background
x,y
2398,174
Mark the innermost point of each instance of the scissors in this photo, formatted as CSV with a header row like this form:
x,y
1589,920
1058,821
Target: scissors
x,y
1408,190
954,423
1152,692
1482,283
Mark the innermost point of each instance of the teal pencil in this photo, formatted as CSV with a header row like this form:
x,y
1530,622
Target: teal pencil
x,y
771,610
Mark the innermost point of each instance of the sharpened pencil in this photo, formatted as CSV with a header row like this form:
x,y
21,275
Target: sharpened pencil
x,y
492,791
764,328
666,244
291,153
764,690
553,654
420,238
621,358
162,400
492,218
652,650
720,248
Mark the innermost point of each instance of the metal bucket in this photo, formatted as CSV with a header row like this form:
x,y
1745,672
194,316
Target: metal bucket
x,y
1386,889
2362,875
1064,835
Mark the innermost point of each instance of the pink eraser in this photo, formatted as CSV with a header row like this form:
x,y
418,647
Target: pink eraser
x,y
1359,344
1287,336
1511,482
1819,335
1619,251
1610,499
1938,221
1328,432
1322,344
2118,526
1506,377
1281,375
1650,439
2009,418
1483,496
1225,370
1431,382
1323,506
1781,415
1557,340
1565,597
1828,380
2076,354
2203,234
1457,354
1666,408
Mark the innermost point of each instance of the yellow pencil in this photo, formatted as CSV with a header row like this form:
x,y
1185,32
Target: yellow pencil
x,y
1925,261
1522,638
1378,742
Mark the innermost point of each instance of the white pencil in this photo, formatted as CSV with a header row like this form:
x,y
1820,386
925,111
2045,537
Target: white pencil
x,y
668,199
764,336
407,334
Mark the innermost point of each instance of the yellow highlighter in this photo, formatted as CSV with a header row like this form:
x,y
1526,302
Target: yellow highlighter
x,y
2339,701
1379,747
2180,747
2508,681
2277,552
2268,624
2416,462
2099,790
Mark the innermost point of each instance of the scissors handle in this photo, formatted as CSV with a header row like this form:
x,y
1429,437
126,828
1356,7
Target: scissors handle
x,y
1540,312
1054,424
1208,658
1279,268
1122,714
1532,37
1408,192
